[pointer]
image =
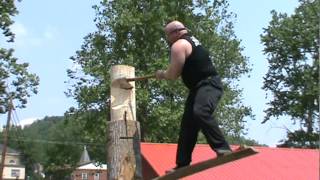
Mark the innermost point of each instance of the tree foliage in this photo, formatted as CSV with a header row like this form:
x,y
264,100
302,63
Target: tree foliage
x,y
292,46
32,141
56,143
301,139
16,83
7,10
131,33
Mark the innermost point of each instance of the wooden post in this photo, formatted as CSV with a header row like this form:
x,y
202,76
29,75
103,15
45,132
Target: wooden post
x,y
5,139
123,133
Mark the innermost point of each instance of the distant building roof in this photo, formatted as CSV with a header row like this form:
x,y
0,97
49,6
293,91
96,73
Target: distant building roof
x,y
93,166
10,150
86,164
85,159
269,163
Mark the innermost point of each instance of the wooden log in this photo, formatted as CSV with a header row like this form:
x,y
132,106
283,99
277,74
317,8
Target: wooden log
x,y
122,100
123,131
123,147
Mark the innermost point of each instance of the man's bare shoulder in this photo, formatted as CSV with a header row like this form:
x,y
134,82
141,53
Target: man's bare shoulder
x,y
180,45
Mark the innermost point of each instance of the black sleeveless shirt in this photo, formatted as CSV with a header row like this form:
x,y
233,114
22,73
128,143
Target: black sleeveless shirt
x,y
198,66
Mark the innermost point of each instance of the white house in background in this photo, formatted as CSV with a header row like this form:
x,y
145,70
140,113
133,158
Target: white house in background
x,y
89,170
13,166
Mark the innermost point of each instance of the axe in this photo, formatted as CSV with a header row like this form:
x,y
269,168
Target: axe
x,y
124,82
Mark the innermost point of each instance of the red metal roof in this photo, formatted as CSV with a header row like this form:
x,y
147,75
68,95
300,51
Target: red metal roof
x,y
268,164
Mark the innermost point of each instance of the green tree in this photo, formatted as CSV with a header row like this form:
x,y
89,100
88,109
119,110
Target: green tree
x,y
131,32
56,143
7,10
16,82
292,46
69,139
301,139
32,142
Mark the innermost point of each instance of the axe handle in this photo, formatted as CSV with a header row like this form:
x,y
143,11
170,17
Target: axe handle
x,y
141,78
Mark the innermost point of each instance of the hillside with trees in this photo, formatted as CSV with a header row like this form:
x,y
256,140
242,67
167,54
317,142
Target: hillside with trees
x,y
57,144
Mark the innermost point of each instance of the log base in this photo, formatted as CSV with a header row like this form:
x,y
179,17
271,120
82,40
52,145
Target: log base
x,y
123,149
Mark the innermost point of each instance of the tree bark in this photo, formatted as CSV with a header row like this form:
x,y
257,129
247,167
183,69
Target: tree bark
x,y
309,122
123,147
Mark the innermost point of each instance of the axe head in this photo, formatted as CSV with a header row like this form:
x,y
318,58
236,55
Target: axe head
x,y
123,83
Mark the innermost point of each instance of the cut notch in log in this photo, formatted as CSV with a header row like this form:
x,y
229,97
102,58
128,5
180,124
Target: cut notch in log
x,y
122,100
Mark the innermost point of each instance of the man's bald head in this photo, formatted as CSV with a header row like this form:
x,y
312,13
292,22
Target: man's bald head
x,y
174,25
174,30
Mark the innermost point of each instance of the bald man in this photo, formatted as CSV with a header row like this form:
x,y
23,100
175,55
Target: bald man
x,y
191,61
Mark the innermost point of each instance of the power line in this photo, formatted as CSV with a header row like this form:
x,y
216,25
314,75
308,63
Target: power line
x,y
16,132
15,119
56,142
21,137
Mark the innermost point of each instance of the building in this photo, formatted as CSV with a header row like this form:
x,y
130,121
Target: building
x,y
13,166
89,170
269,163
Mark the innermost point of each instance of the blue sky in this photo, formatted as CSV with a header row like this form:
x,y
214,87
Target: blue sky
x,y
49,32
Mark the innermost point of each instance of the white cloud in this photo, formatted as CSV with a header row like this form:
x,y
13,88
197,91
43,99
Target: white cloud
x,y
50,33
19,30
28,121
24,37
35,41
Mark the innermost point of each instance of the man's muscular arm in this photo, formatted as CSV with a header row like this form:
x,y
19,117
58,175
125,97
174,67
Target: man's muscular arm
x,y
180,50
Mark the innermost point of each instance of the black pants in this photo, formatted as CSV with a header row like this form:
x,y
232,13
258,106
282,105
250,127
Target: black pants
x,y
200,105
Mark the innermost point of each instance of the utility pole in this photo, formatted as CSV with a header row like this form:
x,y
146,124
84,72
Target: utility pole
x,y
5,138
